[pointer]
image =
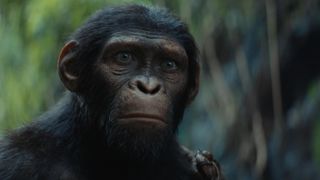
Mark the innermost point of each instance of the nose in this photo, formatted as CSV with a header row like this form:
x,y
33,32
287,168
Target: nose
x,y
146,85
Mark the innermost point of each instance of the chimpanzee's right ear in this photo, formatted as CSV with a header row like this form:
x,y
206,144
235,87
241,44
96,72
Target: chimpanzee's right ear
x,y
67,66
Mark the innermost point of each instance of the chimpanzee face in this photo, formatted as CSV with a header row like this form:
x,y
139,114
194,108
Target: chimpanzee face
x,y
148,72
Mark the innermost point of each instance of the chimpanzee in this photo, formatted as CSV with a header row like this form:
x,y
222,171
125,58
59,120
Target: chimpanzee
x,y
130,71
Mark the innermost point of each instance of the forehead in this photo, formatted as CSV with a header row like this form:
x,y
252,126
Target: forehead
x,y
146,39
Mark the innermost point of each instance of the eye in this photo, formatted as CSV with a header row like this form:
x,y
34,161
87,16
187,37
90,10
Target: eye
x,y
123,58
169,65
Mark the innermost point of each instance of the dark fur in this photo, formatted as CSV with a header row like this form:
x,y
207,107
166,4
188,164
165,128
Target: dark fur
x,y
68,142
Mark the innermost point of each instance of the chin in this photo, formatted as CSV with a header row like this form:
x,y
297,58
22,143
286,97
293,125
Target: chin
x,y
139,139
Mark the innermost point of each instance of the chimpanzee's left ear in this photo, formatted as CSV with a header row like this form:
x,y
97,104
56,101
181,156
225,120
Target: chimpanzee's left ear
x,y
67,66
195,84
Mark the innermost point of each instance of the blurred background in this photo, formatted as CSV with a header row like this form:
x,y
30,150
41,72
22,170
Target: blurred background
x,y
258,109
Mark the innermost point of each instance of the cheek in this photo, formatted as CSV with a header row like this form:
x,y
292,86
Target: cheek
x,y
176,90
179,97
100,92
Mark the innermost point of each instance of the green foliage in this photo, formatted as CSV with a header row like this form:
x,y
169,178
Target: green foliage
x,y
316,141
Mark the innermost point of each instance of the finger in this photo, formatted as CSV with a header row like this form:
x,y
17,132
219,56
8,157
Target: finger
x,y
207,154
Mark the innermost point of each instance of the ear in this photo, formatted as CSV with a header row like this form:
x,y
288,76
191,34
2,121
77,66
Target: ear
x,y
67,66
195,88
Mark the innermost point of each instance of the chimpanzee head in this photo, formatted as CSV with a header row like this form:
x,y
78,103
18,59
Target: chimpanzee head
x,y
135,68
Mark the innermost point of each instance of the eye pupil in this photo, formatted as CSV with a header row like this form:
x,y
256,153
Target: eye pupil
x,y
123,57
169,65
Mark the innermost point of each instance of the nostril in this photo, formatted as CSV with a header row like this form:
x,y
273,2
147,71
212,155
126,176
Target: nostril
x,y
149,88
142,88
156,89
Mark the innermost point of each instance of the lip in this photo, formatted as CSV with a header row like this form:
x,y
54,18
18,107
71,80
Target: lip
x,y
143,117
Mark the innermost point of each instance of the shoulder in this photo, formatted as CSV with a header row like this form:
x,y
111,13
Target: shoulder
x,y
14,162
22,157
22,163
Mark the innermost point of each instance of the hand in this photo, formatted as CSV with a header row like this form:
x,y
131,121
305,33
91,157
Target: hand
x,y
204,165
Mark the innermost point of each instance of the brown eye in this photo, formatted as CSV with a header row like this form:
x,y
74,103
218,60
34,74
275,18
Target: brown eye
x,y
169,65
123,58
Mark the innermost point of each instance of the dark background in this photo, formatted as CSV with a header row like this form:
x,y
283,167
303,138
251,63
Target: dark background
x,y
258,109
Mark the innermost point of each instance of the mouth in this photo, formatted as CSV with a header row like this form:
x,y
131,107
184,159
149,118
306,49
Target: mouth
x,y
142,117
